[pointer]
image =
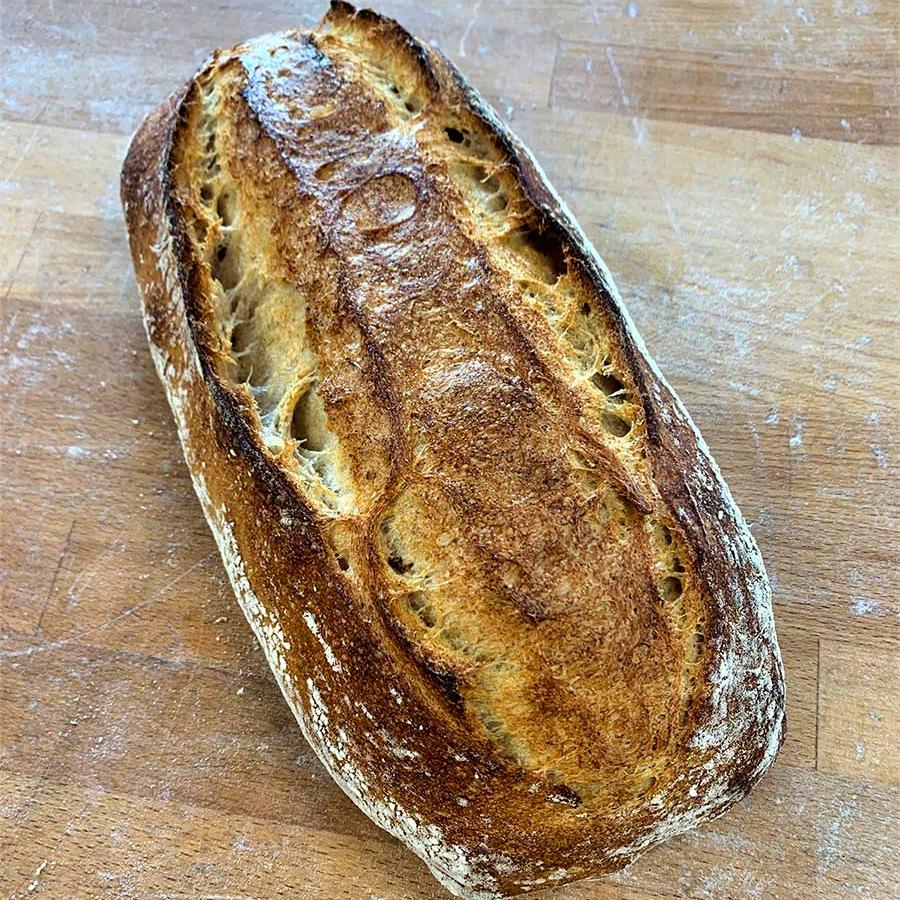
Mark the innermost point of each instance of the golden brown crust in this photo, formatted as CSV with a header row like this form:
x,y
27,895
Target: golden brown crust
x,y
496,572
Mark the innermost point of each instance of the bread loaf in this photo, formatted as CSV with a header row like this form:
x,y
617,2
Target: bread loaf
x,y
496,573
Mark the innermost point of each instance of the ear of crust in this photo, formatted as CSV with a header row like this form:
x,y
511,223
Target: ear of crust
x,y
494,568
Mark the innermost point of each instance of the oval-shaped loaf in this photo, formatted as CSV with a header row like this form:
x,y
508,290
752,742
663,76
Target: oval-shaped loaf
x,y
495,571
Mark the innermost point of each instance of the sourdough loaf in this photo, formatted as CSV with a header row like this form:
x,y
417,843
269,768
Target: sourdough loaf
x,y
493,566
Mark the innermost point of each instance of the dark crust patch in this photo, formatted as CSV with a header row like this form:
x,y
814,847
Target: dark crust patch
x,y
393,30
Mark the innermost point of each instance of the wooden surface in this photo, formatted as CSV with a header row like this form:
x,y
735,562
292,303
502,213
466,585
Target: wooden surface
x,y
737,166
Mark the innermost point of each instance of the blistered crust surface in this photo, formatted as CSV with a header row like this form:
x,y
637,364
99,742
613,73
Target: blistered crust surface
x,y
471,525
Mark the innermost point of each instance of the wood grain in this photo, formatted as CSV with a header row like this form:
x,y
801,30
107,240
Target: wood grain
x,y
858,712
736,165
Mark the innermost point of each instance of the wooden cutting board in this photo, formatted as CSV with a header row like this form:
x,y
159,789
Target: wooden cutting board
x,y
737,166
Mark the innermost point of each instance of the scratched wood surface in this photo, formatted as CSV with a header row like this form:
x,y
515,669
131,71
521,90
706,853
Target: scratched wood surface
x,y
737,166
